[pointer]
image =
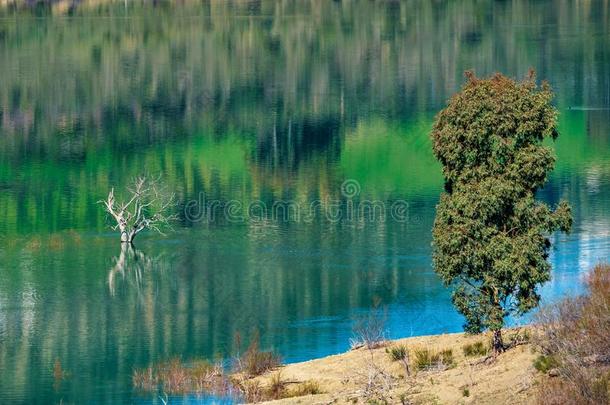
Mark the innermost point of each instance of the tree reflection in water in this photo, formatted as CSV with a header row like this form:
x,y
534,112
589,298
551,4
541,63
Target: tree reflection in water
x,y
131,265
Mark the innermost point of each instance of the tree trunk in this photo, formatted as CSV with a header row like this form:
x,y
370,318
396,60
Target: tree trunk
x,y
497,343
128,236
125,234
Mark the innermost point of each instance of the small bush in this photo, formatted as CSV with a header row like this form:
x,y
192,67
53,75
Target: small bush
x,y
465,392
545,363
277,387
398,352
252,391
476,349
426,359
256,362
423,359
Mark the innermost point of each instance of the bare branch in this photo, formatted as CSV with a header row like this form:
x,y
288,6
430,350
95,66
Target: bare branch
x,y
148,206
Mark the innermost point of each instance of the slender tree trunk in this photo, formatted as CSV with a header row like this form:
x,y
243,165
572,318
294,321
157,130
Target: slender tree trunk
x,y
127,236
497,343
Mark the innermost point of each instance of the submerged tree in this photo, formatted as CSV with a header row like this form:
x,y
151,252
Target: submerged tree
x,y
491,236
148,206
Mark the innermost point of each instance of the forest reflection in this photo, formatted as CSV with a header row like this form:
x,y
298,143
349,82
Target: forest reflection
x,y
268,95
254,65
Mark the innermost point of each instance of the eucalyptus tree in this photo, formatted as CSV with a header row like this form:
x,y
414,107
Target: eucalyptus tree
x,y
491,235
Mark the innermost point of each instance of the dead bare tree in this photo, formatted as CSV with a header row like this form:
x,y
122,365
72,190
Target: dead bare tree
x,y
149,206
370,330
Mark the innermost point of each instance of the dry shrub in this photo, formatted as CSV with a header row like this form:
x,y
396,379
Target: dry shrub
x,y
370,329
376,383
252,391
175,377
576,334
145,379
255,362
555,391
277,386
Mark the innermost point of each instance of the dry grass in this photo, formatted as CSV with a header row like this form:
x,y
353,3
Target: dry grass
x,y
426,359
275,388
476,349
400,353
252,391
375,376
257,362
309,387
175,377
366,376
575,344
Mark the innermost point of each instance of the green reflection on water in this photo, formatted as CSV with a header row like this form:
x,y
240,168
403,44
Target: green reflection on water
x,y
393,159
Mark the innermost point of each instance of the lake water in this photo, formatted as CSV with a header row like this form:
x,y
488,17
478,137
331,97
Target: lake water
x,y
257,104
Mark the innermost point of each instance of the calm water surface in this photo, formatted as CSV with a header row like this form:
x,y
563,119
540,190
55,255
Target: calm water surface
x,y
257,102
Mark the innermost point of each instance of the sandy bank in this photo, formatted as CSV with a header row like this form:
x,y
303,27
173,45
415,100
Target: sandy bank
x,y
354,376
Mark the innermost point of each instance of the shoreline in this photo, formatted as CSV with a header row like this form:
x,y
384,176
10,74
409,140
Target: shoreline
x,y
369,375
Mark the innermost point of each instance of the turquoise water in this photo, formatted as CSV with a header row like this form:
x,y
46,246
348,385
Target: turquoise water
x,y
257,103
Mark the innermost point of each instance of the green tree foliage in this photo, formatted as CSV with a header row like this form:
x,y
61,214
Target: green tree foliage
x,y
490,233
